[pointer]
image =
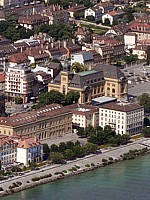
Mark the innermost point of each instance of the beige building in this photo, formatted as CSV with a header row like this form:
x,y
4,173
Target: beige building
x,y
124,118
18,82
106,80
84,115
115,81
89,84
51,121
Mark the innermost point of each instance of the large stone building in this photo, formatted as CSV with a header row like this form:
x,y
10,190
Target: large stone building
x,y
51,121
89,84
115,81
106,80
18,82
124,118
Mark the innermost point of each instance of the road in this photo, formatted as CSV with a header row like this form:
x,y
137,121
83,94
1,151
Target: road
x,y
93,158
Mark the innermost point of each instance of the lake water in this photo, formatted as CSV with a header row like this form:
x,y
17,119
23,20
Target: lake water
x,y
129,180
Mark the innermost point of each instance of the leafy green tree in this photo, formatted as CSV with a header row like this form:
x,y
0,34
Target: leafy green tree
x,y
125,139
89,130
81,132
46,148
78,151
146,131
78,15
51,97
91,148
68,154
18,100
57,31
146,121
62,147
54,148
77,67
144,100
72,97
70,145
57,157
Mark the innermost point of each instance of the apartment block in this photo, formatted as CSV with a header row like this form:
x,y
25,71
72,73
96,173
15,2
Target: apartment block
x,y
18,82
123,117
8,150
29,150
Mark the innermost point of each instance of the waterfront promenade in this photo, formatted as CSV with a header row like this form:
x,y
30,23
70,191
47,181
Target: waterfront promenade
x,y
96,159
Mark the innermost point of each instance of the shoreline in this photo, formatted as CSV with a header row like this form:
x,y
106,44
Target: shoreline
x,y
62,175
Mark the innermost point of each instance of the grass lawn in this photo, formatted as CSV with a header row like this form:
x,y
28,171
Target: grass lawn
x,y
96,29
137,136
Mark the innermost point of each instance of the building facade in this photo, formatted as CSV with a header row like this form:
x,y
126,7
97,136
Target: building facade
x,y
124,118
89,84
49,122
8,150
83,116
29,150
18,82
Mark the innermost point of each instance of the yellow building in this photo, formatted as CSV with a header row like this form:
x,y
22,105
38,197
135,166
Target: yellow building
x,y
48,122
106,80
115,81
89,84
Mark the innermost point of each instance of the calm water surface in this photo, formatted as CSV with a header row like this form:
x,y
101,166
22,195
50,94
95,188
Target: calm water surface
x,y
129,180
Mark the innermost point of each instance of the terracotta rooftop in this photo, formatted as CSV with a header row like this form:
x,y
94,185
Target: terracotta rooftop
x,y
123,107
18,58
2,77
6,140
114,13
27,143
49,111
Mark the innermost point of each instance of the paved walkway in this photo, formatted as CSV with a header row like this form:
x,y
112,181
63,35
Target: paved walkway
x,y
115,153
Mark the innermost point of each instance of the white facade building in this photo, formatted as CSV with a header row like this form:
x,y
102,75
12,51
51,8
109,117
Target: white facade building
x,y
85,58
29,150
124,118
18,82
83,117
95,11
130,40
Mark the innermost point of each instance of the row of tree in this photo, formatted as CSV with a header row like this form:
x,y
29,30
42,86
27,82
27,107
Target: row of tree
x,y
58,31
101,136
57,97
13,31
68,151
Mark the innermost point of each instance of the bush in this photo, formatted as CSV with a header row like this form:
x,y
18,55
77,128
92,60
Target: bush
x,y
65,171
111,159
90,18
92,164
104,160
87,165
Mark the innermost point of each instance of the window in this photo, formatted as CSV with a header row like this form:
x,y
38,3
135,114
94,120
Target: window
x,y
113,90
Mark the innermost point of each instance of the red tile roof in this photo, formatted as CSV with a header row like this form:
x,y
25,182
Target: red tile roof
x,y
18,58
27,143
49,111
2,77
